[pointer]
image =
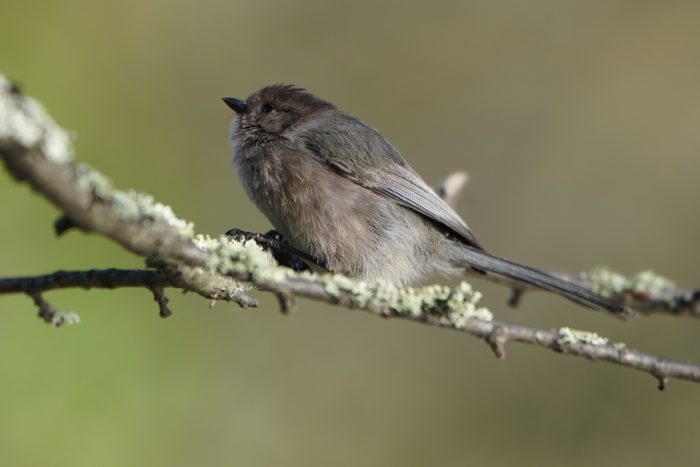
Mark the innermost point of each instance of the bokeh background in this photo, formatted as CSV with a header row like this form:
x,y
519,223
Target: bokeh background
x,y
578,122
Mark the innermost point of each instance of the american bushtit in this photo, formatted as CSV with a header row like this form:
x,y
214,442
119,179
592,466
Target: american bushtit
x,y
338,191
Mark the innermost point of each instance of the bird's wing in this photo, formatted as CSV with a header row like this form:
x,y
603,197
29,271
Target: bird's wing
x,y
362,155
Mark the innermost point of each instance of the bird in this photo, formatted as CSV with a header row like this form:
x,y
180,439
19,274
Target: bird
x,y
336,189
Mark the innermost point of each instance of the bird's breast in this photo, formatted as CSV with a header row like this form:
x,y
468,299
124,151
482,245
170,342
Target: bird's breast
x,y
351,229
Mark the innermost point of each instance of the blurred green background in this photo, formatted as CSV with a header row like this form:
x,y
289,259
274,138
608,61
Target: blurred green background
x,y
578,123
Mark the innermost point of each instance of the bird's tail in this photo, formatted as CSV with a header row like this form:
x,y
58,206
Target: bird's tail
x,y
483,261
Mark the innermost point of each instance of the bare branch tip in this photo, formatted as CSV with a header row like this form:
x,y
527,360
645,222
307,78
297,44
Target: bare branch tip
x,y
245,301
162,301
497,341
46,311
62,225
286,302
450,188
516,294
238,297
663,382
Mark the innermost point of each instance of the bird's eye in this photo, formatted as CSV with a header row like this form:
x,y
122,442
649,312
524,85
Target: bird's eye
x,y
266,108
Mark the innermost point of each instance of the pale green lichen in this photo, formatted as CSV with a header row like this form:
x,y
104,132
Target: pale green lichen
x,y
454,305
652,284
229,255
24,120
463,305
60,318
93,181
646,283
336,284
132,205
568,336
619,346
606,282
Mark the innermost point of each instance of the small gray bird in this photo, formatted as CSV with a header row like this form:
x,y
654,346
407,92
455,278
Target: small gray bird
x,y
337,190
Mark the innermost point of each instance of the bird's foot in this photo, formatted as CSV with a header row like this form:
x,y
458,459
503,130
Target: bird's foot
x,y
281,251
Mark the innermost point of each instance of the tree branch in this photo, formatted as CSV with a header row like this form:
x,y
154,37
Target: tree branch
x,y
91,279
36,150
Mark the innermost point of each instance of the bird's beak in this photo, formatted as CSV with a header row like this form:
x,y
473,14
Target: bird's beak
x,y
239,106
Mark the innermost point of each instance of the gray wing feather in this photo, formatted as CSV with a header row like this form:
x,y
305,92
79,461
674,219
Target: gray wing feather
x,y
362,155
406,188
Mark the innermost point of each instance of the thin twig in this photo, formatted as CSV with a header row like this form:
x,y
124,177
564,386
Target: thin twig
x,y
286,301
112,279
90,279
46,311
162,301
450,188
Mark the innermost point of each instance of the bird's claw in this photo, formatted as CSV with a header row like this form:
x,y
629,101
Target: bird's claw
x,y
274,243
